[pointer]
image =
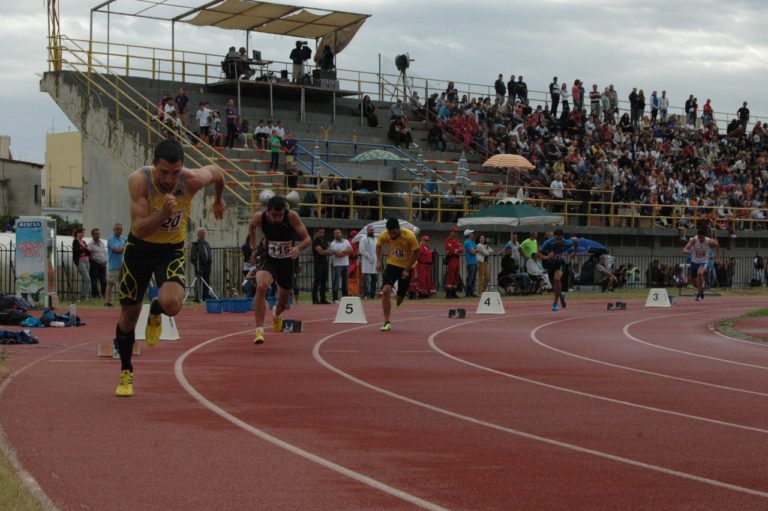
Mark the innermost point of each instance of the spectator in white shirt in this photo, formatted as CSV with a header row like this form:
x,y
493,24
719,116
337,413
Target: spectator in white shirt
x,y
340,249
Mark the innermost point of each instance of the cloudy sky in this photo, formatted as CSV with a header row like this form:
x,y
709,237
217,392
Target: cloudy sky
x,y
707,48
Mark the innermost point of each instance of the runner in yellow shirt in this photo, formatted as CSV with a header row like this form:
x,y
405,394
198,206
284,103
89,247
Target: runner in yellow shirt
x,y
402,253
161,197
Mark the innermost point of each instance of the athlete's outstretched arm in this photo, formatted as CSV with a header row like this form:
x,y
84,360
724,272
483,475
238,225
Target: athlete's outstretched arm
x,y
205,176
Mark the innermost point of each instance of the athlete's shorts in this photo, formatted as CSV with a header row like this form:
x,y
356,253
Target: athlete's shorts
x,y
694,268
394,274
113,277
555,266
141,260
281,271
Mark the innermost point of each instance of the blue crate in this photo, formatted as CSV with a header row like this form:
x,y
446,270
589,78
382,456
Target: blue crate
x,y
240,304
214,306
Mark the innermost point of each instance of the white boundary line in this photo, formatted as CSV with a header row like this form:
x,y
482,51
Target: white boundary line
x,y
357,476
626,333
437,349
27,480
529,436
536,340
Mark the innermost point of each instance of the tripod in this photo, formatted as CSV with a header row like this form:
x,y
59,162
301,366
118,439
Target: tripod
x,y
198,284
401,78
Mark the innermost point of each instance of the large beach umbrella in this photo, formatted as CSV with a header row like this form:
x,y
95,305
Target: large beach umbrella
x,y
509,162
380,225
510,214
376,154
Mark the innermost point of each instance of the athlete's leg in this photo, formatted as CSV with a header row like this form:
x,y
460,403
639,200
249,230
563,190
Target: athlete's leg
x,y
170,297
557,285
282,300
125,333
386,301
263,282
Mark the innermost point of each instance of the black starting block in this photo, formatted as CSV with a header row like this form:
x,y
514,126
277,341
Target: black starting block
x,y
457,313
292,326
617,306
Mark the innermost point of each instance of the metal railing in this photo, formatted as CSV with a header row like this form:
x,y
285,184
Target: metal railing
x,y
227,272
198,67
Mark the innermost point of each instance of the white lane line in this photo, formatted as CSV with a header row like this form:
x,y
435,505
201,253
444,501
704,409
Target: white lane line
x,y
27,480
523,434
357,476
536,340
435,347
729,338
626,328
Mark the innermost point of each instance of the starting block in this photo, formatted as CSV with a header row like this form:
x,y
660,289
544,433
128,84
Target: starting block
x,y
292,326
617,306
107,349
457,313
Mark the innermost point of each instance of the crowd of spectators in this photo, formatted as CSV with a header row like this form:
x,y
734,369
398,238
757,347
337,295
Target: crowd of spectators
x,y
671,167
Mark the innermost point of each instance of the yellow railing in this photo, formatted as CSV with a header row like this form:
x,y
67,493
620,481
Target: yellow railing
x,y
129,101
352,204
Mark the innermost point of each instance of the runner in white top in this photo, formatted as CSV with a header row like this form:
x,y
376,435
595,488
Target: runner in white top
x,y
698,247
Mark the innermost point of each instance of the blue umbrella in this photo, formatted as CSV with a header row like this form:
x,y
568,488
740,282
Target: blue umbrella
x,y
587,246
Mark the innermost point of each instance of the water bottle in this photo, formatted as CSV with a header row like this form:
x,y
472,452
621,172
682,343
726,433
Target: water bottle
x,y
57,324
73,314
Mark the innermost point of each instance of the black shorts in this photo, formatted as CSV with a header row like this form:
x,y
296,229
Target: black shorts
x,y
394,274
554,266
205,130
281,271
141,260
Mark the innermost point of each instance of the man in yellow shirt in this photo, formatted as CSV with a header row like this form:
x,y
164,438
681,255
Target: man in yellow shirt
x,y
161,197
402,253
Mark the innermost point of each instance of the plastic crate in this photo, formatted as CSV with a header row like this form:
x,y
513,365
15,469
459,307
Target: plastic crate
x,y
240,304
214,306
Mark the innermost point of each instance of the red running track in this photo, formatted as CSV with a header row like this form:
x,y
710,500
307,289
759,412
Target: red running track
x,y
582,409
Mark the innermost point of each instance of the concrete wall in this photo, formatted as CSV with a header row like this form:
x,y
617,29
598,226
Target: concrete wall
x,y
20,191
109,155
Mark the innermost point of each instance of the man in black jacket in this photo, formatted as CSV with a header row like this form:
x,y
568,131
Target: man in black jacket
x,y
298,55
501,89
201,257
554,94
320,253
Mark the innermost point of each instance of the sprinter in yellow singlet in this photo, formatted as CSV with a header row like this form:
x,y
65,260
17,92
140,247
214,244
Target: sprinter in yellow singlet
x,y
161,197
402,253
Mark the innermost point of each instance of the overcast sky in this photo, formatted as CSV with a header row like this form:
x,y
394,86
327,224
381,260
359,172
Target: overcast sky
x,y
707,48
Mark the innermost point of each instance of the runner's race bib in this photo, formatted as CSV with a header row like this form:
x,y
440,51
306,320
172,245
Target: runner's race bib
x,y
279,249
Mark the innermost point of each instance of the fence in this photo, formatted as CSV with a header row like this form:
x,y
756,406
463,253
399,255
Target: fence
x,y
227,271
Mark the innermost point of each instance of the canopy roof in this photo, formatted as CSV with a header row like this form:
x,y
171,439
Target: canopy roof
x,y
267,17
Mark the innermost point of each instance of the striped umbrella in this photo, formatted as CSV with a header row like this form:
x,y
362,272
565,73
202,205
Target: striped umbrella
x,y
376,154
509,161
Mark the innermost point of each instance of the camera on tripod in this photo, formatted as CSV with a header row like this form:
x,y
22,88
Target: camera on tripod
x,y
402,62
